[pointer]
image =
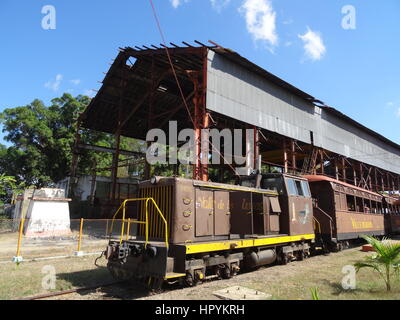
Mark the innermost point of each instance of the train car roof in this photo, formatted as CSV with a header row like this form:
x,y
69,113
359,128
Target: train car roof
x,y
316,178
286,175
217,185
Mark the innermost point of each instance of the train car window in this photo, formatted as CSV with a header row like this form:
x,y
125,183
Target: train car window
x,y
359,204
273,184
351,203
292,190
374,207
379,208
306,189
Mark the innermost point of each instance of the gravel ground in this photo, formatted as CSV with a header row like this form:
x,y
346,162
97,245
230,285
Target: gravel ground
x,y
292,281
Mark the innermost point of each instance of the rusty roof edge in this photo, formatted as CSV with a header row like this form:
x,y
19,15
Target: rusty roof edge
x,y
237,58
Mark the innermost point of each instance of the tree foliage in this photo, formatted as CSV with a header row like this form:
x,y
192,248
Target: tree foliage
x,y
42,139
8,185
41,144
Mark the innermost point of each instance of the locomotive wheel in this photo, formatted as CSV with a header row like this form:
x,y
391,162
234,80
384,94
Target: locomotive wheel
x,y
189,281
217,272
235,269
300,256
226,273
117,272
284,259
154,285
336,247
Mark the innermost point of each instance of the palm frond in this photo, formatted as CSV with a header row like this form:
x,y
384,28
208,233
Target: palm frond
x,y
385,259
314,293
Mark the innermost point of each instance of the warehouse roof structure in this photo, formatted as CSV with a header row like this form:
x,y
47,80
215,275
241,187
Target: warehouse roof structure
x,y
141,91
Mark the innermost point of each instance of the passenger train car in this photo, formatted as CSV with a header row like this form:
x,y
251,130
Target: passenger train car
x,y
345,212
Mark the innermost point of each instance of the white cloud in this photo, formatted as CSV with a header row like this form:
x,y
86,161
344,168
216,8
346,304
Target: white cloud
x,y
390,104
54,85
313,45
177,3
288,43
75,81
260,20
216,4
90,93
398,113
219,4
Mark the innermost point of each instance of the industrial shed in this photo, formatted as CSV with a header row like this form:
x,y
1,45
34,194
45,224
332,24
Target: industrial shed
x,y
214,87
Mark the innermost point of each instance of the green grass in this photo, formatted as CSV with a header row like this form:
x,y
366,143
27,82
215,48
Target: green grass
x,y
26,279
326,277
291,282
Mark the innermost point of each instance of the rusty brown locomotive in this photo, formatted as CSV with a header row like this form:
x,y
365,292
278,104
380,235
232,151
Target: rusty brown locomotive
x,y
189,230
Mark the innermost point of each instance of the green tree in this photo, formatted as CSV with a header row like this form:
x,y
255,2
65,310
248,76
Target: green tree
x,y
386,260
8,185
42,139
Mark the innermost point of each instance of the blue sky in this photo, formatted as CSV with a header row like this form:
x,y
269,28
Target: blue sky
x,y
354,70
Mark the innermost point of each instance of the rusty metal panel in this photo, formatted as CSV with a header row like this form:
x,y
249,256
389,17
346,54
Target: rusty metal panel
x,y
204,220
234,91
240,93
163,196
353,225
183,219
275,207
221,213
395,223
267,213
300,215
274,210
260,215
274,226
241,214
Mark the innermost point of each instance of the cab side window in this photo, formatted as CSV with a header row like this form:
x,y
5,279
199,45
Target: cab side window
x,y
306,189
292,189
298,188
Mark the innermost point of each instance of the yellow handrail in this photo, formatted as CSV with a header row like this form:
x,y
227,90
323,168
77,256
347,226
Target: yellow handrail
x,y
319,225
146,223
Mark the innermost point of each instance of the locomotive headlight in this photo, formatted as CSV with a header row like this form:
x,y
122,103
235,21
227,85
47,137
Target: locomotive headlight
x,y
153,180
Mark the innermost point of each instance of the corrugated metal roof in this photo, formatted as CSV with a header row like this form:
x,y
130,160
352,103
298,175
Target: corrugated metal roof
x,y
102,112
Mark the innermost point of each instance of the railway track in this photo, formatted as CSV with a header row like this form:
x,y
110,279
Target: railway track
x,y
71,291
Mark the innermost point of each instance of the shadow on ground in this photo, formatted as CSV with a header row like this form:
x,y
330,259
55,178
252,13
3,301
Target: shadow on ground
x,y
337,288
89,278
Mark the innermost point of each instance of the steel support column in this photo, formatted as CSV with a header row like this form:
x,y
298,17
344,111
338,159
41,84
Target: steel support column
x,y
201,121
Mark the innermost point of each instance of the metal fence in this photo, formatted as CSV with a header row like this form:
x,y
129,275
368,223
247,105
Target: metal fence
x,y
83,236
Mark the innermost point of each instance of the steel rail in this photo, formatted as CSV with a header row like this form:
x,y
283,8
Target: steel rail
x,y
65,292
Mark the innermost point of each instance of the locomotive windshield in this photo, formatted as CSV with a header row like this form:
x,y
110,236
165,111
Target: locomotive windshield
x,y
298,188
275,183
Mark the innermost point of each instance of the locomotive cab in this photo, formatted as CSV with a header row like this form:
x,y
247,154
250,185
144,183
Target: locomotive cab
x,y
295,200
